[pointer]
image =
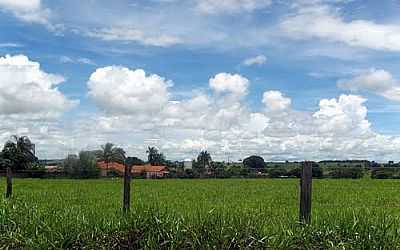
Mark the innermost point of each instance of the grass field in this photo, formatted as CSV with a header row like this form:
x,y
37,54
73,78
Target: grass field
x,y
200,214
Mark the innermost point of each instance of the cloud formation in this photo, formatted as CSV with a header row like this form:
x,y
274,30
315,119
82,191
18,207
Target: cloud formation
x,y
230,6
79,60
27,10
229,83
222,123
126,34
138,110
26,89
316,20
119,90
376,81
257,60
274,101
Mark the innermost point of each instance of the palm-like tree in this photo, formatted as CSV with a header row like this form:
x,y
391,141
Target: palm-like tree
x,y
204,158
109,153
17,153
151,154
20,151
154,157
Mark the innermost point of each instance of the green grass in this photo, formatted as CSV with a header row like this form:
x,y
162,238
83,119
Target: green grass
x,y
200,214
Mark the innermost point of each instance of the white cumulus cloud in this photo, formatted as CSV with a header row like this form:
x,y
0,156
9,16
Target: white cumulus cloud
x,y
25,88
119,90
274,101
343,116
229,83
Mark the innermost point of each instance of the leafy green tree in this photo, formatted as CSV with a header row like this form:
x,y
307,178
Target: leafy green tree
x,y
82,166
254,162
87,165
19,152
204,159
131,161
154,157
109,153
70,165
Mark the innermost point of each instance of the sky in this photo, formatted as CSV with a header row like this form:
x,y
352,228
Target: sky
x,y
284,79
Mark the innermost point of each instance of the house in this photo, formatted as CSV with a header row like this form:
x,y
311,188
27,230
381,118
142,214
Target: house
x,y
111,166
137,170
188,164
51,169
150,171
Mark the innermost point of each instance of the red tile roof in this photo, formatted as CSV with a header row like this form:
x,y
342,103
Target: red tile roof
x,y
135,169
148,169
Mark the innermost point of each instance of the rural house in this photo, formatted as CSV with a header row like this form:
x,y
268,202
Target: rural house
x,y
147,170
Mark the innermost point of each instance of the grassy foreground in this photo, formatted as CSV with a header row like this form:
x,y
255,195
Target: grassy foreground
x,y
199,214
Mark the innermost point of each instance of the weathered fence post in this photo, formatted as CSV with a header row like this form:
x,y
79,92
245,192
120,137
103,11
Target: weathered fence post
x,y
305,193
9,183
127,188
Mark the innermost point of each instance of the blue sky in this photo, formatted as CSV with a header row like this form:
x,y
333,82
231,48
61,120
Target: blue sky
x,y
279,64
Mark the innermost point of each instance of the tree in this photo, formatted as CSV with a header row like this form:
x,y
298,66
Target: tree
x,y
134,161
204,159
20,152
17,154
254,162
109,153
87,165
82,166
154,157
71,165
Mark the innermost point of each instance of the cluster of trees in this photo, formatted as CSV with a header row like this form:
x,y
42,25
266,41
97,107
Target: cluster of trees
x,y
83,165
19,154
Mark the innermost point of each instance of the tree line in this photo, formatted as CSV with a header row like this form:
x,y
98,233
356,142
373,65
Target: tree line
x,y
18,154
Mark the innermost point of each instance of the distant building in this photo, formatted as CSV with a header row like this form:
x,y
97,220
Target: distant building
x,y
188,164
147,170
51,169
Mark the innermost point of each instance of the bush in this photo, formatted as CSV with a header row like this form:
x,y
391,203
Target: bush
x,y
350,173
277,172
385,173
317,172
35,170
295,172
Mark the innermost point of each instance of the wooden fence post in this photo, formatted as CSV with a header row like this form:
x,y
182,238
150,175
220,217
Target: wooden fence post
x,y
127,188
9,183
305,193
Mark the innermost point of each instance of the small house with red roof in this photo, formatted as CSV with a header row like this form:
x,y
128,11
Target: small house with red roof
x,y
147,170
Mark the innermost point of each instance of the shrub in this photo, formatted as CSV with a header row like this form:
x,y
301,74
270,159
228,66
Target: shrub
x,y
317,172
351,173
277,172
385,173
